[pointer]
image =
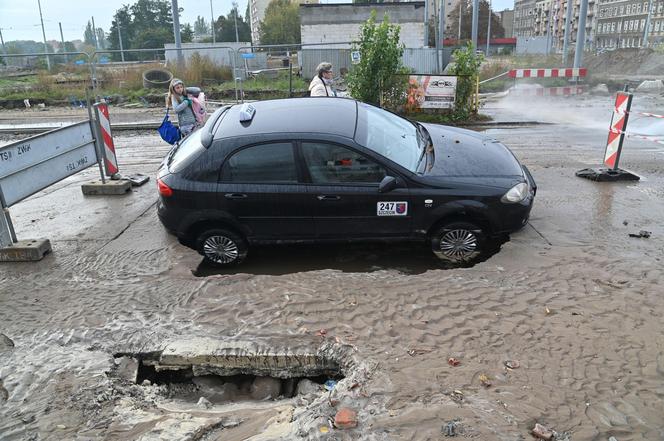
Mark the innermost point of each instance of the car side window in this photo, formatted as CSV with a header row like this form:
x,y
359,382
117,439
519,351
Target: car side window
x,y
333,164
273,162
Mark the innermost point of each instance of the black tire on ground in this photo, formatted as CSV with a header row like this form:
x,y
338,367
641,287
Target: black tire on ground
x,y
222,247
459,243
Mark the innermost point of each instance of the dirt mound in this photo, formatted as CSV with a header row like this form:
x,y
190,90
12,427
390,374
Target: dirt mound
x,y
626,62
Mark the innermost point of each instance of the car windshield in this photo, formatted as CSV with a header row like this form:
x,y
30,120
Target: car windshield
x,y
394,137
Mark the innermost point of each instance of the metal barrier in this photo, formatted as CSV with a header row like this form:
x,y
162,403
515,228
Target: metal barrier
x,y
33,164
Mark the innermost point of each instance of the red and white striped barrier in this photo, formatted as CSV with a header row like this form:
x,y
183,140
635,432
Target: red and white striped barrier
x,y
651,115
110,161
549,91
617,129
657,139
548,73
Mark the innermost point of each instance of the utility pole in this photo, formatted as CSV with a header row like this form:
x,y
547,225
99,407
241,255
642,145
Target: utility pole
x,y
237,38
426,23
214,37
62,38
459,36
488,31
176,30
94,32
120,38
4,49
568,24
48,60
581,35
441,33
476,14
647,30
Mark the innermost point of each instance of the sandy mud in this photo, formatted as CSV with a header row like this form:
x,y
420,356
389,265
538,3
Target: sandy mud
x,y
571,297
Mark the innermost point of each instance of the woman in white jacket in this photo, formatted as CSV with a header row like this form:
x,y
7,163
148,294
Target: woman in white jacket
x,y
321,85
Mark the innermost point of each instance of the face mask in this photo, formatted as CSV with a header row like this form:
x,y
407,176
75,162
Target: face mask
x,y
327,81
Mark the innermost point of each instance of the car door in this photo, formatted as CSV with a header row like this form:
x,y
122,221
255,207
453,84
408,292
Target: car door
x,y
260,186
344,194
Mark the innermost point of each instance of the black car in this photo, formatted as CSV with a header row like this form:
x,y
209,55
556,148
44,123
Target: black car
x,y
334,169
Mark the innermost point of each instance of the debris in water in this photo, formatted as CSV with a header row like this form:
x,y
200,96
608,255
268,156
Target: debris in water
x,y
643,233
346,418
457,396
453,361
204,403
321,333
512,364
418,351
5,342
330,384
485,380
450,428
542,432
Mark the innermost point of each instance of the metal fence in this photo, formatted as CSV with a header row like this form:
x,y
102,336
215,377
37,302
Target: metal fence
x,y
294,62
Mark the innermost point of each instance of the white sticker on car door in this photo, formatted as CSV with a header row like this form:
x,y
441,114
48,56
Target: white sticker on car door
x,y
392,209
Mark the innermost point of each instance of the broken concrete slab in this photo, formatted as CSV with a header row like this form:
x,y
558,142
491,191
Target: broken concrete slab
x,y
226,358
26,251
107,188
127,368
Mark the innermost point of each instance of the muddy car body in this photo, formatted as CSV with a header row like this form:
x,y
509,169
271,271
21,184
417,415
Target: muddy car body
x,y
333,169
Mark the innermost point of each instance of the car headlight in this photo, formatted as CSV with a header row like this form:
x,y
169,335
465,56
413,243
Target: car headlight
x,y
516,194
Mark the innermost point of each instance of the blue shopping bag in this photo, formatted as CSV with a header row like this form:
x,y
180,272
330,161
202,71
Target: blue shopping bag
x,y
168,131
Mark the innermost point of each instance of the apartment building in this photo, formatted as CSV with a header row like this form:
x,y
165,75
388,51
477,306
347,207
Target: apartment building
x,y
622,24
546,18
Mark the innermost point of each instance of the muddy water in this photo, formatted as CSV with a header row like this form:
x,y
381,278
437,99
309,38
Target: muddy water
x,y
571,296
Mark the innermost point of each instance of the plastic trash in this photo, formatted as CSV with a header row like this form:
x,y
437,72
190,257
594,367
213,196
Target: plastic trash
x,y
330,384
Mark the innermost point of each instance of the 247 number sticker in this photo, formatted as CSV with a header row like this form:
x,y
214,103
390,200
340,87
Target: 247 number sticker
x,y
392,209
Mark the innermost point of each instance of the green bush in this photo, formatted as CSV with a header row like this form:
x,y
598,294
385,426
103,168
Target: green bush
x,y
466,67
379,74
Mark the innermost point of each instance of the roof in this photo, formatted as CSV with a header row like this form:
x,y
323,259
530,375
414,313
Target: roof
x,y
335,116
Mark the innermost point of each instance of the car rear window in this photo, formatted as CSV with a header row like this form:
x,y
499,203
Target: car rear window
x,y
184,153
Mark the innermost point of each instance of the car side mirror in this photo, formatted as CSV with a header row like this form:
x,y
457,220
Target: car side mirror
x,y
388,184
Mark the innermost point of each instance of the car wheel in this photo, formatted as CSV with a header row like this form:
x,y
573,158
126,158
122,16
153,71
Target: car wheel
x,y
222,247
458,242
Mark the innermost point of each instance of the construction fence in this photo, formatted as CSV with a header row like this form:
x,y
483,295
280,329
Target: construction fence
x,y
236,70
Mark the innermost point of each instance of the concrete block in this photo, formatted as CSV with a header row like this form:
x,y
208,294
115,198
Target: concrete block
x,y
109,188
25,251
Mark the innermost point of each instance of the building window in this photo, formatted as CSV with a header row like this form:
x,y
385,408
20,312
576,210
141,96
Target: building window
x,y
643,23
622,9
656,26
659,8
628,9
619,26
638,8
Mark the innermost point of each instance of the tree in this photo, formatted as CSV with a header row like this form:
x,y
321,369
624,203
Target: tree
x,y
186,33
378,72
145,24
225,27
497,30
201,28
281,24
101,38
89,35
466,66
121,26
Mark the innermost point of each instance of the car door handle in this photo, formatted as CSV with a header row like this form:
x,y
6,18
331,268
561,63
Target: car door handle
x,y
235,196
324,197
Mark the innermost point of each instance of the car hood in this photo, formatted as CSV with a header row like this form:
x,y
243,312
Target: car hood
x,y
465,156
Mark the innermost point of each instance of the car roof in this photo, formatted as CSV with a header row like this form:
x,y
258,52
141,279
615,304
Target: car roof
x,y
334,116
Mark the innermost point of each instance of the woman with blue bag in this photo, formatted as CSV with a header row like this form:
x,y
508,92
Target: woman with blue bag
x,y
182,105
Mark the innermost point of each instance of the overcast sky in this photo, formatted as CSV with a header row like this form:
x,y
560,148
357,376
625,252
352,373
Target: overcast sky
x,y
19,19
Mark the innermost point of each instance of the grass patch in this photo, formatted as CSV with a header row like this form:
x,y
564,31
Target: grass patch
x,y
450,118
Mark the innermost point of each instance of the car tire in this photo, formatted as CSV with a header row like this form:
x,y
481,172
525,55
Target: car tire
x,y
459,243
221,247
